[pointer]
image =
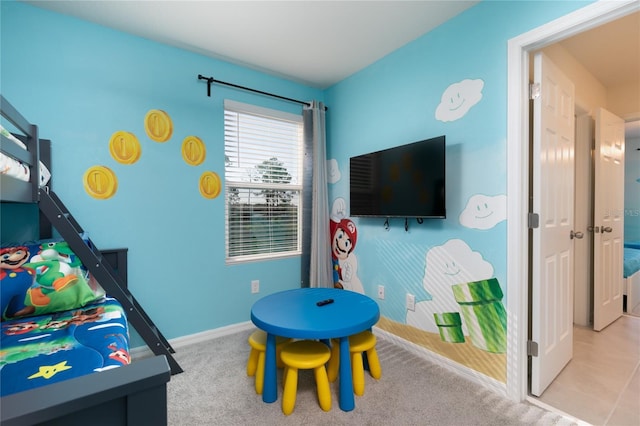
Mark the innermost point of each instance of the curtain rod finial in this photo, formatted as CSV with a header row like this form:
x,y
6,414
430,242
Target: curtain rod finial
x,y
210,80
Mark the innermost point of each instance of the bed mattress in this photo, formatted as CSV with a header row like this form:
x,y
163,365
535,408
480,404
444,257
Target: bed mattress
x,y
50,348
17,169
631,261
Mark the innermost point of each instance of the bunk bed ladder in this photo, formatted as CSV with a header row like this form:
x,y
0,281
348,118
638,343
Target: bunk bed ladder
x,y
71,231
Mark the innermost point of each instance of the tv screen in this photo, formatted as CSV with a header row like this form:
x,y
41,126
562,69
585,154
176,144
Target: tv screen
x,y
406,181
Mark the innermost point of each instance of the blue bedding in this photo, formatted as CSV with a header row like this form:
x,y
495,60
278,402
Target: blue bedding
x,y
632,244
50,348
631,261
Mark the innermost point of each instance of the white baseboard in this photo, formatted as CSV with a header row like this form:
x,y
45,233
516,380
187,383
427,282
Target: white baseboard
x,y
454,367
180,342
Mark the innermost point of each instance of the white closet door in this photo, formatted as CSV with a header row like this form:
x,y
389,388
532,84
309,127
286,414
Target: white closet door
x,y
608,240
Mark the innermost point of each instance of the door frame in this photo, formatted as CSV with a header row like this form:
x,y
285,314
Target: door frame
x,y
518,50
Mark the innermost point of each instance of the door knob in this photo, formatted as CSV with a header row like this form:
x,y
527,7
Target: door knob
x,y
607,229
578,235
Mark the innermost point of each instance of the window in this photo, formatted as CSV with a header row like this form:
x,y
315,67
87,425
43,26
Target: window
x,y
263,182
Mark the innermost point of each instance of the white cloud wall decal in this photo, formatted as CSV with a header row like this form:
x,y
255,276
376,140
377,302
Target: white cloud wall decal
x,y
484,212
451,263
333,171
458,98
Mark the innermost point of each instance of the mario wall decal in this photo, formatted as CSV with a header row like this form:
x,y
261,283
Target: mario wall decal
x,y
344,235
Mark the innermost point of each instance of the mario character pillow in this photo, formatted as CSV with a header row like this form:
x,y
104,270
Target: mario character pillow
x,y
43,277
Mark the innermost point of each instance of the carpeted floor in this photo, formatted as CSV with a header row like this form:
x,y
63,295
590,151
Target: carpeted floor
x,y
215,390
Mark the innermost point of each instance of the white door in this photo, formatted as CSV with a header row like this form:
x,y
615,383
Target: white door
x,y
608,219
552,249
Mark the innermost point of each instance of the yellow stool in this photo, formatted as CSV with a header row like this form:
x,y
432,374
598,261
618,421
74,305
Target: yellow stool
x,y
305,355
358,343
255,363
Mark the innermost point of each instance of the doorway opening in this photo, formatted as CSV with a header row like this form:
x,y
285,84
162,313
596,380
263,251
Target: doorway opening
x,y
518,130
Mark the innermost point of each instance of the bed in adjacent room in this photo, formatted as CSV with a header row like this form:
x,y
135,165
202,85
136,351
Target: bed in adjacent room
x,y
632,277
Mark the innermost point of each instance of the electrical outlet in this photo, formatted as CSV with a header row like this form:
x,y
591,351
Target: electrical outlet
x,y
380,292
411,302
255,286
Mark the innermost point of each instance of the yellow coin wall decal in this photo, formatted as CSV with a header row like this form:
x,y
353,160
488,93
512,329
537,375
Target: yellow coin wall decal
x,y
158,125
100,182
125,147
209,184
193,150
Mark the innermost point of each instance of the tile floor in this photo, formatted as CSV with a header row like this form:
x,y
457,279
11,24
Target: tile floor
x,y
601,384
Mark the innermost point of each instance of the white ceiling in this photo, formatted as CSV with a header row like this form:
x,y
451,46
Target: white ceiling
x,y
319,43
611,52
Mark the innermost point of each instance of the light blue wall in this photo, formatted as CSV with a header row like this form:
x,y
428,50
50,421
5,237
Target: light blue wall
x,y
394,101
80,83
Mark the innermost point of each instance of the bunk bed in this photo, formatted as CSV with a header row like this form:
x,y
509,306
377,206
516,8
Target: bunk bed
x,y
631,274
124,392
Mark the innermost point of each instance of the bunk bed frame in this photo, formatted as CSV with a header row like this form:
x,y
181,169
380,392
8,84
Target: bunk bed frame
x,y
131,394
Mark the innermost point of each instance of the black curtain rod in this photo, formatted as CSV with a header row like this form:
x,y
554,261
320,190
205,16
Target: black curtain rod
x,y
211,80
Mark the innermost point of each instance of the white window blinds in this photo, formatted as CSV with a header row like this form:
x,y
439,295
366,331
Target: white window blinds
x,y
263,182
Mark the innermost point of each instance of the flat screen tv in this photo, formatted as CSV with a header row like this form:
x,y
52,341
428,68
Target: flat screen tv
x,y
405,181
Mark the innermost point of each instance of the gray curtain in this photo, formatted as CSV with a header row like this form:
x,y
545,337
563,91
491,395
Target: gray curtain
x,y
316,257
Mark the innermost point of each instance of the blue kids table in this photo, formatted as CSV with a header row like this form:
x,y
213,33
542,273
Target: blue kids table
x,y
298,315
